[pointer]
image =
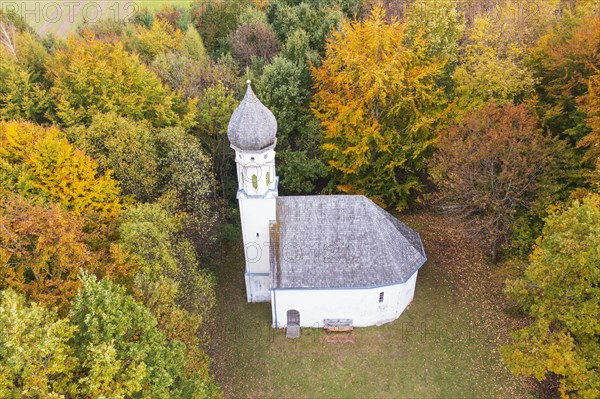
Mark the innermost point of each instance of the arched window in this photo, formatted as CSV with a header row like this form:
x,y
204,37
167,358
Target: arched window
x,y
380,297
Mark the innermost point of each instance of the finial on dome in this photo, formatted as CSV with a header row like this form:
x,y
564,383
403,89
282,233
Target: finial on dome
x,y
248,82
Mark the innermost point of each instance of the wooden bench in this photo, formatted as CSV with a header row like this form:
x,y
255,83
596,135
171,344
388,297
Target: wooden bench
x,y
338,325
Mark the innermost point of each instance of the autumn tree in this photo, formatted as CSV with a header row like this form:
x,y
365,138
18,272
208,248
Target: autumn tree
x,y
516,23
560,291
40,162
118,344
590,104
170,282
188,185
192,73
166,165
161,37
90,77
563,62
36,359
23,94
192,77
379,104
21,97
58,217
108,346
442,26
106,30
254,39
124,147
43,249
193,46
490,69
175,15
489,166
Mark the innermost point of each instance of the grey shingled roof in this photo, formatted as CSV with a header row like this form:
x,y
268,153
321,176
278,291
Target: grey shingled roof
x,y
340,241
252,126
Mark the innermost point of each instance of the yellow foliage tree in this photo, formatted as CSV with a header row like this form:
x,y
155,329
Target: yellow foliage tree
x,y
591,105
40,162
560,290
91,77
379,104
161,37
489,69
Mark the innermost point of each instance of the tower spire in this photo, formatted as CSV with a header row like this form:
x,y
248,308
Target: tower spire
x,y
253,126
252,134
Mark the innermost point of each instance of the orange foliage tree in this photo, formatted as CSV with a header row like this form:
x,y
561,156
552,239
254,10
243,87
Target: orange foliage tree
x,y
590,104
56,215
43,250
490,166
379,104
563,62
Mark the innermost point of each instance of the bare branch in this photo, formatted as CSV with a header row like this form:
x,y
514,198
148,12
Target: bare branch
x,y
7,38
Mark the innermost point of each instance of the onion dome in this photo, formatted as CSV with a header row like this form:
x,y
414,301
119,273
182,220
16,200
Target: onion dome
x,y
252,126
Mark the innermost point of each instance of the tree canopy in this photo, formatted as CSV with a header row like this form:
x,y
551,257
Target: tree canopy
x,y
40,162
90,76
490,165
560,290
379,103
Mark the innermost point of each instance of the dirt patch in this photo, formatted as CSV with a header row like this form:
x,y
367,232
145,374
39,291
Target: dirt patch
x,y
463,263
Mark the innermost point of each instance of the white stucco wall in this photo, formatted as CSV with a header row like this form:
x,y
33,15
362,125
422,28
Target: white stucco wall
x,y
360,305
257,209
257,287
259,163
255,215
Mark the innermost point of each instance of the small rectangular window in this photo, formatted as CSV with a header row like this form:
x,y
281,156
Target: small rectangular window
x,y
380,297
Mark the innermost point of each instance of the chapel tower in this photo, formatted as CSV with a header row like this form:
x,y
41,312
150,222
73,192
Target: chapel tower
x,y
252,134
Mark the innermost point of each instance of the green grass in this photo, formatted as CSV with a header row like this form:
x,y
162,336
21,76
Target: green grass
x,y
157,4
436,349
59,21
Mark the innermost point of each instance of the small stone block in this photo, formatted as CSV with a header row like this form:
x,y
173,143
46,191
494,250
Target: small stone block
x,y
293,332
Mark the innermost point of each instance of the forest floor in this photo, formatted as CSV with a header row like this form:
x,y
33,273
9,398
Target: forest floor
x,y
445,345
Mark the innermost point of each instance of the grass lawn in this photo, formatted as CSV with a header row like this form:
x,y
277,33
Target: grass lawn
x,y
62,18
444,345
157,4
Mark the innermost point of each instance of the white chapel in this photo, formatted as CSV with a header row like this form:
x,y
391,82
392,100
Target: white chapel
x,y
316,259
